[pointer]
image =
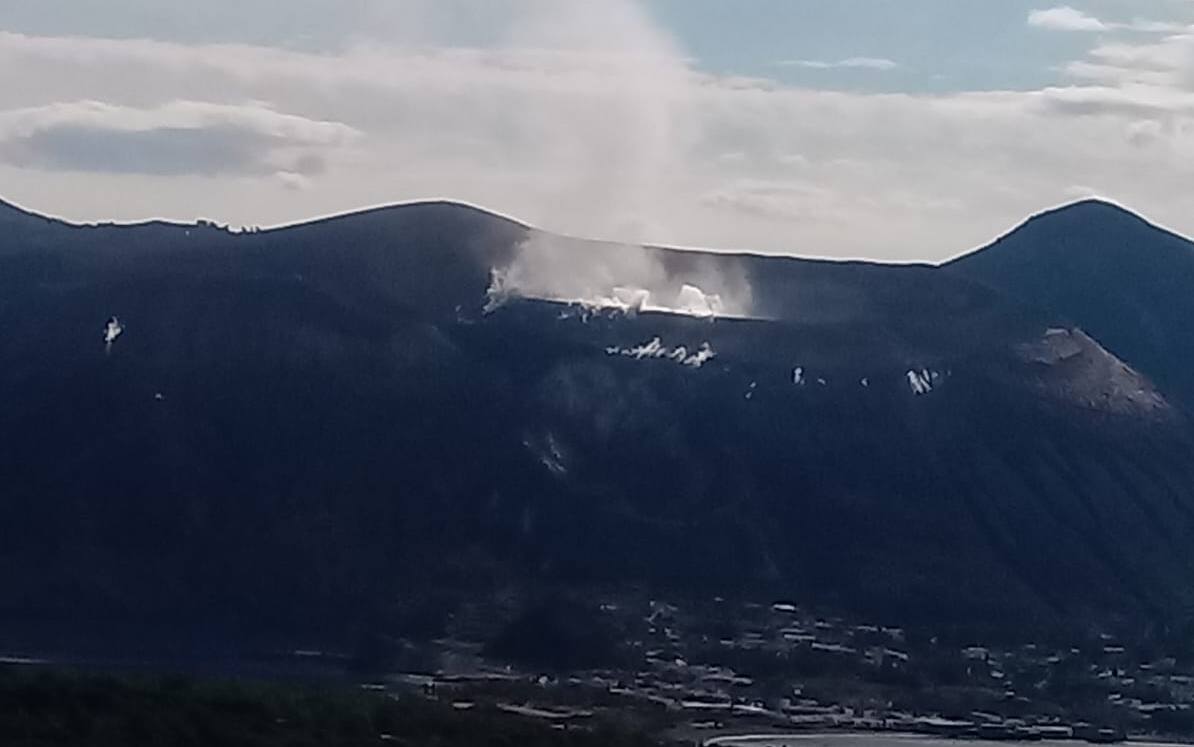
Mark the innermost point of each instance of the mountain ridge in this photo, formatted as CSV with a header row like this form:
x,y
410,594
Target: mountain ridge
x,y
1084,205
381,209
1124,279
314,424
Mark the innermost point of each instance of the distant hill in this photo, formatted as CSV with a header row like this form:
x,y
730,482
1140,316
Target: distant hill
x,y
303,428
1122,279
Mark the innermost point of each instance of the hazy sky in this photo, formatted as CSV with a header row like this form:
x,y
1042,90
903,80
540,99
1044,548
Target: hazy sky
x,y
890,129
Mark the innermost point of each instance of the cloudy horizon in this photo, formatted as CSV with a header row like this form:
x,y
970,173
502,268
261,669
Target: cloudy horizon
x,y
857,129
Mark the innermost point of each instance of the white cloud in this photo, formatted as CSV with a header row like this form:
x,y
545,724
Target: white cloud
x,y
1081,192
585,118
1158,27
1145,132
181,137
293,180
1065,18
865,63
1068,18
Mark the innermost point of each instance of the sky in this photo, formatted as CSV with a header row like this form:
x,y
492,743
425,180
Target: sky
x,y
896,130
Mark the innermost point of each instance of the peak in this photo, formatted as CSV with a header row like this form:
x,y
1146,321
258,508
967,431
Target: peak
x,y
435,206
1095,222
1088,210
1087,228
1085,220
1092,204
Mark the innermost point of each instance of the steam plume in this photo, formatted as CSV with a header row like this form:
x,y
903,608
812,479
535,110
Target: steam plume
x,y
621,277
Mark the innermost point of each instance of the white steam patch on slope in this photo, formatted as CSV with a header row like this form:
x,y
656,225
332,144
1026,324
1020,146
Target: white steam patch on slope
x,y
112,330
620,277
549,452
922,382
654,349
703,355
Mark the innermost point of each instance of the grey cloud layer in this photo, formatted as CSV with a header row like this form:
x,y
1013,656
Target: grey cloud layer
x,y
181,138
588,119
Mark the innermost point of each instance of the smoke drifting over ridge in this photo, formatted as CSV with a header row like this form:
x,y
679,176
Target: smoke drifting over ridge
x,y
610,152
621,277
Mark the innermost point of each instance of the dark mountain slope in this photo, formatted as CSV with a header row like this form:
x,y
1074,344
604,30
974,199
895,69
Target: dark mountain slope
x,y
1125,281
302,428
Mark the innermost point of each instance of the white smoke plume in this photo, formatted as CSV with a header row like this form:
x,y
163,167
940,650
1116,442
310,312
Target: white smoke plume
x,y
620,277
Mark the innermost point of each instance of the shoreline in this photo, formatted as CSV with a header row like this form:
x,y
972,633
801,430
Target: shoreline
x,y
728,740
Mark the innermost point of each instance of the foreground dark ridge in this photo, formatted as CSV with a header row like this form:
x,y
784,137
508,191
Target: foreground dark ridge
x,y
317,427
45,708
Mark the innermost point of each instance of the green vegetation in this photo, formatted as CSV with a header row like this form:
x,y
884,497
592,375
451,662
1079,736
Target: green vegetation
x,y
39,707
